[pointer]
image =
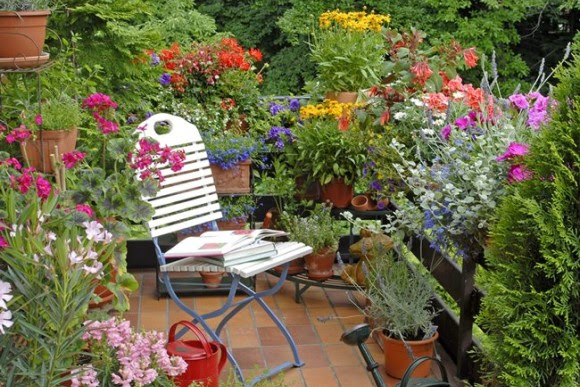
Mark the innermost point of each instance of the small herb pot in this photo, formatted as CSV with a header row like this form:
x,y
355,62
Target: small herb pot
x,y
319,264
211,279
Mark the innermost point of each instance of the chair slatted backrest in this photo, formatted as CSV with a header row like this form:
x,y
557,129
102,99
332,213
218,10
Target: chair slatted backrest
x,y
187,198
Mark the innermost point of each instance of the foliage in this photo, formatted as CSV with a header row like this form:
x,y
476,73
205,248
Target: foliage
x,y
324,152
228,149
318,230
530,312
278,180
348,50
400,298
183,23
25,5
121,356
237,208
61,113
53,256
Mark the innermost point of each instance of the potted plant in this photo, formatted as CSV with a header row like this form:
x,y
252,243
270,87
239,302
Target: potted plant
x,y
348,50
55,129
332,157
319,231
230,156
23,30
399,305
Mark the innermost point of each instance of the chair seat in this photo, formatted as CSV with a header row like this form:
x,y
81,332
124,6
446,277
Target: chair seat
x,y
287,251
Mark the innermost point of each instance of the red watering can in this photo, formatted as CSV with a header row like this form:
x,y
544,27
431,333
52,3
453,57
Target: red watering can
x,y
203,363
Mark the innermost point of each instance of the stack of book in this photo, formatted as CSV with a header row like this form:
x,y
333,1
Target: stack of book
x,y
227,248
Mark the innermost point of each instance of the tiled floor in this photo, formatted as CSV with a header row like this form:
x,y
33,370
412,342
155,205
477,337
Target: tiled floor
x,y
258,345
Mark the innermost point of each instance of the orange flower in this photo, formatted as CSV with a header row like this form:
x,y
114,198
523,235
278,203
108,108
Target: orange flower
x,y
473,97
456,84
470,57
256,54
422,72
385,117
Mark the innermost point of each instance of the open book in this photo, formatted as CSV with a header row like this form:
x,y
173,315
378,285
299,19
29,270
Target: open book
x,y
219,243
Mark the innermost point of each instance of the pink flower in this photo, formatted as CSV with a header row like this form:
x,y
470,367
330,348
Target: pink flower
x,y
3,243
86,209
436,101
5,296
24,181
99,102
2,128
18,135
517,173
456,84
514,149
446,132
519,101
38,120
70,159
43,187
5,320
12,162
463,122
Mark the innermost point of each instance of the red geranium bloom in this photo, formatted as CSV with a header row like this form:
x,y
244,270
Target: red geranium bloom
x,y
256,54
422,72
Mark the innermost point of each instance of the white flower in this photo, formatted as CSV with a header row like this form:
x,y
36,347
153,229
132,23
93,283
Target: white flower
x,y
399,116
5,289
97,266
458,95
48,250
51,236
417,102
91,254
74,258
428,132
5,320
439,122
93,229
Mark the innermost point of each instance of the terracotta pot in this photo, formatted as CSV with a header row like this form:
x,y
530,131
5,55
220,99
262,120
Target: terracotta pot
x,y
65,140
342,96
211,279
360,203
374,205
296,267
337,192
22,33
319,265
234,180
397,360
231,224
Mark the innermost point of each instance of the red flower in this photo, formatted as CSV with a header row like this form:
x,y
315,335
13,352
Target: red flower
x,y
385,117
70,159
43,187
470,57
256,54
228,103
86,209
436,101
19,134
422,72
473,97
343,123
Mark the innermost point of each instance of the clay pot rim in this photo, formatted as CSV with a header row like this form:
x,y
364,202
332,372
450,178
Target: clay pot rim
x,y
357,198
324,251
412,342
25,13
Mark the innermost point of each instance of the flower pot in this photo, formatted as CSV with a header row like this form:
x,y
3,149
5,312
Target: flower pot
x,y
319,265
65,140
342,96
381,205
231,224
304,191
360,203
211,279
22,33
234,180
105,294
337,192
296,267
397,360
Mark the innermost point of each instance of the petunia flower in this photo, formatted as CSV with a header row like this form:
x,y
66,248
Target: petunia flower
x,y
446,132
514,149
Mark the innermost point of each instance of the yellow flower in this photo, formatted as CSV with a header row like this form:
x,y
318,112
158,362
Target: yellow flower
x,y
353,21
328,108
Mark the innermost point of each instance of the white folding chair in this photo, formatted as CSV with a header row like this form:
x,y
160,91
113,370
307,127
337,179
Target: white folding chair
x,y
188,198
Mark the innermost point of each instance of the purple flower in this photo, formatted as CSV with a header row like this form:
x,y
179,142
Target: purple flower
x,y
375,185
294,105
463,122
446,132
514,149
518,172
537,118
275,108
519,101
154,59
148,114
165,79
280,136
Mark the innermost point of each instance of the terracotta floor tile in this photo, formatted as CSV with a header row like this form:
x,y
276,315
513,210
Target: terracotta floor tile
x,y
330,332
313,356
314,300
249,358
341,355
353,376
295,316
262,319
154,320
338,297
243,337
320,377
209,303
276,355
303,334
178,315
152,305
293,378
133,318
271,336
326,314
242,318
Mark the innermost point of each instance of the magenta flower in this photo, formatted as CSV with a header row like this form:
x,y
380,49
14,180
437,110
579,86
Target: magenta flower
x,y
514,149
99,102
18,135
12,162
519,101
43,187
23,182
463,122
70,159
86,209
38,120
517,173
3,243
446,132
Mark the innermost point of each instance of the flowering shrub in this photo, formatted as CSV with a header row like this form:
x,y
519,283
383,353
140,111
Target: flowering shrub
x,y
121,356
348,50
